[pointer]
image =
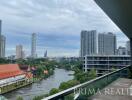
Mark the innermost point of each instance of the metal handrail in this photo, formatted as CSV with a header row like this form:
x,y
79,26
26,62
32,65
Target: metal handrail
x,y
71,90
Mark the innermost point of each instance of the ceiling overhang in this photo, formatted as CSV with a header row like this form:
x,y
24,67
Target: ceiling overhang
x,y
120,12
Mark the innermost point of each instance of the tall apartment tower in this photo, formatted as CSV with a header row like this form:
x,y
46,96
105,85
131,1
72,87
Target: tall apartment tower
x,y
0,26
128,47
19,52
3,43
0,37
45,54
107,44
33,46
88,43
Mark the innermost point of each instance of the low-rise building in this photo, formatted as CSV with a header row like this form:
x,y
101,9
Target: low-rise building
x,y
122,51
105,63
12,77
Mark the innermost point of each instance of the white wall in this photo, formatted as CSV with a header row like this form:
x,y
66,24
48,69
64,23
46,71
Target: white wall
x,y
11,79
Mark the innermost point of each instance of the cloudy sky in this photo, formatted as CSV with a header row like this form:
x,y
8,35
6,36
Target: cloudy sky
x,y
58,24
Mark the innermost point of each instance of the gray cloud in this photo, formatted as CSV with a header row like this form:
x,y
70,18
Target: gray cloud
x,y
55,15
60,17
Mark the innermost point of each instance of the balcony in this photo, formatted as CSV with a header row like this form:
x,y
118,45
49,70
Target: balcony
x,y
81,91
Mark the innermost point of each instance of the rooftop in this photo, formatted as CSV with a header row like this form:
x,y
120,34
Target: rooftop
x,y
9,70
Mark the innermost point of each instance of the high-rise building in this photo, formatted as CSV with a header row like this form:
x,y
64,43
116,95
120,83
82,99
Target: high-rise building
x,y
88,43
0,26
45,54
23,54
3,43
107,44
33,46
19,52
0,36
128,47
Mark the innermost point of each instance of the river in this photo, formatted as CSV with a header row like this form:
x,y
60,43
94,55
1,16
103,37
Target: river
x,y
42,87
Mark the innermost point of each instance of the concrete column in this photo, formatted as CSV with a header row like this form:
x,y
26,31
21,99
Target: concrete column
x,y
131,51
130,68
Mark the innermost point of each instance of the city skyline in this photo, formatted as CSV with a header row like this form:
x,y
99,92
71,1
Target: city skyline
x,y
84,34
57,29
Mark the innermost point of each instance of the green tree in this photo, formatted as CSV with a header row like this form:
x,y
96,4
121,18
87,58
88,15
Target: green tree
x,y
113,69
63,86
38,97
53,91
85,76
92,74
66,85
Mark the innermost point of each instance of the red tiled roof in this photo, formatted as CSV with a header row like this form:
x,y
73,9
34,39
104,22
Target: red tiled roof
x,y
9,70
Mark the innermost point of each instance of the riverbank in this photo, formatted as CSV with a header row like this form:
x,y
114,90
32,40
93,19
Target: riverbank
x,y
14,85
41,87
45,76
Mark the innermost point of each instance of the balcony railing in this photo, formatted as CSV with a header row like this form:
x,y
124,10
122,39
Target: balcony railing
x,y
97,83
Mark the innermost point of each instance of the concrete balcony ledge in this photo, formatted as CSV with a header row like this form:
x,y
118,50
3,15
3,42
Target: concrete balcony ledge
x,y
121,89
